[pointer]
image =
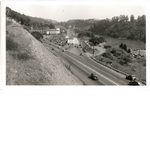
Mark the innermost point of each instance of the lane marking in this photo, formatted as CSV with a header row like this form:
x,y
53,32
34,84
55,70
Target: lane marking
x,y
93,70
76,67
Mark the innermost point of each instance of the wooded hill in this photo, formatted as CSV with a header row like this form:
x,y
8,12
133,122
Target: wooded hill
x,y
121,27
118,27
79,23
30,21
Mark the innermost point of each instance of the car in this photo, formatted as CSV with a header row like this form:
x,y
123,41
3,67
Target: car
x,y
130,77
134,82
93,76
63,50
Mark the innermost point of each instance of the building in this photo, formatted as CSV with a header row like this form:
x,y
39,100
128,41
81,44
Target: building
x,y
47,31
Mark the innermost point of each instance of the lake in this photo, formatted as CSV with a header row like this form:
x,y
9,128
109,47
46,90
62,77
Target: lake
x,y
132,44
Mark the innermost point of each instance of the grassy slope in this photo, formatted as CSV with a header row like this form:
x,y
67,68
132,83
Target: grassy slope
x,y
121,60
28,62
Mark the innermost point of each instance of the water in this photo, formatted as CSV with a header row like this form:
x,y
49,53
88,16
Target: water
x,y
133,44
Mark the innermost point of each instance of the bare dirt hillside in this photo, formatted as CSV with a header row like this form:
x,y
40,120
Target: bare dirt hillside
x,y
28,62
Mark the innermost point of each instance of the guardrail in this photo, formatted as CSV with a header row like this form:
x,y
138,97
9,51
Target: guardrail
x,y
119,71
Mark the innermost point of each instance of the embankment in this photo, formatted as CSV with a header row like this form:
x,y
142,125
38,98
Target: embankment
x,y
28,62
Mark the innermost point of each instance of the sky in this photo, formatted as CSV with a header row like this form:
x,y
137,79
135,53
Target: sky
x,y
68,12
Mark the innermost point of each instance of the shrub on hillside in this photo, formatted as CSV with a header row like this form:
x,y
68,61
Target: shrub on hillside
x,y
125,59
97,40
11,45
107,46
107,55
116,53
37,35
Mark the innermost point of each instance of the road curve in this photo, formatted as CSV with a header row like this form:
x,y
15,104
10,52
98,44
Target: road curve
x,y
82,67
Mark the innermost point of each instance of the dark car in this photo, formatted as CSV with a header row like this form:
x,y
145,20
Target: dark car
x,y
134,82
93,76
130,77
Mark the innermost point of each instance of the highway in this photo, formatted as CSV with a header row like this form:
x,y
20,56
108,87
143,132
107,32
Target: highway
x,y
82,67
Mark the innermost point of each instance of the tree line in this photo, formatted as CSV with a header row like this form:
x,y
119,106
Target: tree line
x,y
36,23
122,26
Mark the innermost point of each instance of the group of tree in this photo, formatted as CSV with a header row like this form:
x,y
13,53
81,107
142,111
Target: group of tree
x,y
124,46
21,18
35,22
84,33
96,40
122,26
37,35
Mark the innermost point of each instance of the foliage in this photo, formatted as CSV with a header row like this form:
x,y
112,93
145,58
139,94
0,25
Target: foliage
x,y
85,33
37,35
107,55
120,26
123,46
119,55
29,21
96,40
11,45
107,46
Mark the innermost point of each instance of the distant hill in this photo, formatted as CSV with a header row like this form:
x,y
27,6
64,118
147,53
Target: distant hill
x,y
79,23
117,27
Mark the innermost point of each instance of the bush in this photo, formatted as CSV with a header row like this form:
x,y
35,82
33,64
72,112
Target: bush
x,y
37,35
129,51
125,60
11,45
113,51
107,55
22,56
107,46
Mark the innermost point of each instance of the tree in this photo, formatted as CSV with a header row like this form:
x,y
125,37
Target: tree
x,y
125,47
126,18
141,20
132,18
115,19
129,51
37,35
121,45
94,40
122,18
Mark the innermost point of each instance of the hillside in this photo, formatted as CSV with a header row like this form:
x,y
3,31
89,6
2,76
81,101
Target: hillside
x,y
28,62
29,21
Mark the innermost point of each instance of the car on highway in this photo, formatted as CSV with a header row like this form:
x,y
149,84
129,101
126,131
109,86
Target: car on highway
x,y
134,82
130,77
93,76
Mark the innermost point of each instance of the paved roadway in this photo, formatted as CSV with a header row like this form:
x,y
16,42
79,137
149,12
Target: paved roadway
x,y
72,37
82,67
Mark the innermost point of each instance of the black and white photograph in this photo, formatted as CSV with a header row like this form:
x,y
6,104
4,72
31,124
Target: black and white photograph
x,y
74,75
76,44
